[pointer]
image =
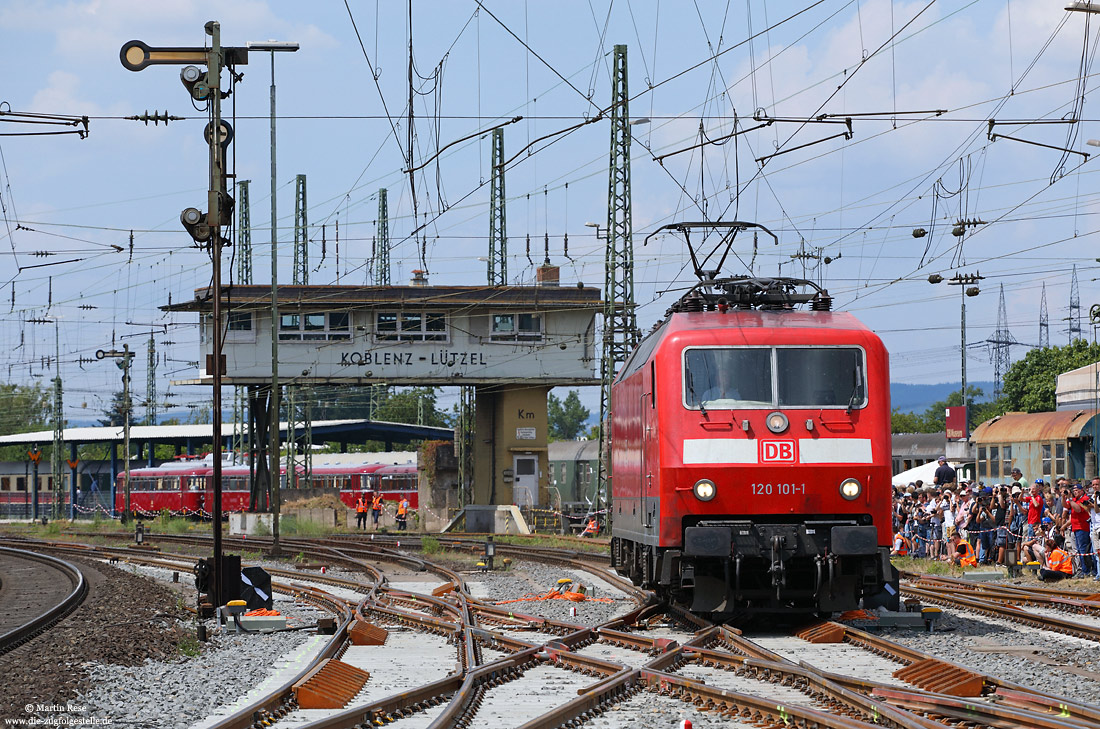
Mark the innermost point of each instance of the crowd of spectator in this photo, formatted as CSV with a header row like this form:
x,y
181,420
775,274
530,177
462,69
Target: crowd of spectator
x,y
1054,525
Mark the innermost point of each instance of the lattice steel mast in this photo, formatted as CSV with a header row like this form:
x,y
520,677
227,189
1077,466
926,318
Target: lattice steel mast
x,y
382,250
1001,342
1074,308
301,233
300,399
151,384
620,323
1044,320
498,227
244,236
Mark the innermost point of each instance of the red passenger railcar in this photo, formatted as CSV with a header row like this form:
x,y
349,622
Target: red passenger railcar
x,y
186,488
750,452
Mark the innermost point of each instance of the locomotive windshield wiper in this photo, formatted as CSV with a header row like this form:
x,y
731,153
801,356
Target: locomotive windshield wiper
x,y
855,390
691,392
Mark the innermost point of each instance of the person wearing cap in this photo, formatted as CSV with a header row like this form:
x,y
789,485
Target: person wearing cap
x,y
1077,508
1058,564
947,508
1094,524
935,520
945,475
1036,505
981,515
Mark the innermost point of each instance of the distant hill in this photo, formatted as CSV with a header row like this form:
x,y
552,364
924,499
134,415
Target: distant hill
x,y
918,398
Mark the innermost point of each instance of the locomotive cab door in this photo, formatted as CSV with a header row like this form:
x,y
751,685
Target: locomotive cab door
x,y
650,498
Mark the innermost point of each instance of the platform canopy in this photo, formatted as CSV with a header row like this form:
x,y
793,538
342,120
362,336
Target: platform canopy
x,y
349,431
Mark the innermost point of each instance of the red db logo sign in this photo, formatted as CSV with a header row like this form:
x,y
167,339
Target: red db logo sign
x,y
778,451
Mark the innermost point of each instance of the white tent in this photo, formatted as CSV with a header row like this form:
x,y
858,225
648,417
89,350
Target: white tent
x,y
923,473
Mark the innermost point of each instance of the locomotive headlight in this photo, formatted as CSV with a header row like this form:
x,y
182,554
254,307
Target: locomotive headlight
x,y
704,489
777,422
850,488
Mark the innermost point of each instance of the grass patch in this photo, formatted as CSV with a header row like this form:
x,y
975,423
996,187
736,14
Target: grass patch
x,y
293,526
552,541
189,646
430,545
176,525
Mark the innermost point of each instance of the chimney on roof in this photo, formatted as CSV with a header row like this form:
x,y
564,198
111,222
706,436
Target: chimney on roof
x,y
547,275
420,277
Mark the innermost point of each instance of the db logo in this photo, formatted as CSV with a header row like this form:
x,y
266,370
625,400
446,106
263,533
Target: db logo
x,y
778,451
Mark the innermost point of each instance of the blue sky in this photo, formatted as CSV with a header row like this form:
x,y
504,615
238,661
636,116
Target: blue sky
x,y
891,64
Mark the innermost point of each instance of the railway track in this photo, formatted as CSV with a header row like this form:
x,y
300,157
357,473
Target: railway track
x,y
653,650
36,585
1001,601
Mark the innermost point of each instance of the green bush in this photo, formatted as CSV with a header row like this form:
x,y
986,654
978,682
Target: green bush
x,y
262,529
288,525
430,545
177,526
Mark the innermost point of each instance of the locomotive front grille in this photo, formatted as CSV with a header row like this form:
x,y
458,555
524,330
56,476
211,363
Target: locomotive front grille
x,y
725,539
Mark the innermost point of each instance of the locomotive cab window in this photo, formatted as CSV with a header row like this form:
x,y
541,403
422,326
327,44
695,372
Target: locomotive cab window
x,y
728,378
765,377
820,377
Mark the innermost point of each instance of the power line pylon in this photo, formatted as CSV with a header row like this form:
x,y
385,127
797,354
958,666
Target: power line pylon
x,y
244,236
498,227
1044,321
382,246
301,233
151,385
1000,343
1074,308
620,323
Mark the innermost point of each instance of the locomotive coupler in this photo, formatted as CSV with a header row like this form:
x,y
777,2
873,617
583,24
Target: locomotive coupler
x,y
778,570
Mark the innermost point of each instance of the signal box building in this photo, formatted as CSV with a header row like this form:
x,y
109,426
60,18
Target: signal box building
x,y
512,343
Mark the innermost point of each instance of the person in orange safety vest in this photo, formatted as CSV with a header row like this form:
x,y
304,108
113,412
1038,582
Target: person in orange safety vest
x,y
592,528
361,513
402,513
376,507
964,555
1059,564
901,545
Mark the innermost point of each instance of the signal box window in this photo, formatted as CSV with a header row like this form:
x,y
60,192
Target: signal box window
x,y
516,328
240,321
314,327
1045,448
410,326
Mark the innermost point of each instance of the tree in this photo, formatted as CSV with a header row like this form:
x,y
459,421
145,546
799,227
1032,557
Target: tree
x,y
1030,382
23,409
115,414
405,406
933,420
566,418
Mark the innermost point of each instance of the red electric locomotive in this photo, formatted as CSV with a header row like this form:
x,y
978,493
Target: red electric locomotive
x,y
750,452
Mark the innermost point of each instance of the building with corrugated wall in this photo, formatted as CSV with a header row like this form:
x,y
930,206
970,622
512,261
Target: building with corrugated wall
x,y
1041,445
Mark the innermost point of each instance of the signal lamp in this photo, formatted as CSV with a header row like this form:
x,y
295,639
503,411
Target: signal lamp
x,y
704,489
194,221
776,422
850,488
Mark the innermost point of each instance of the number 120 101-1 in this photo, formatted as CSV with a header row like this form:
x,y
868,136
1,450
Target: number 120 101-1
x,y
783,489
